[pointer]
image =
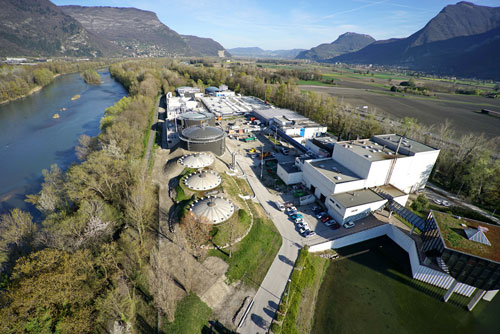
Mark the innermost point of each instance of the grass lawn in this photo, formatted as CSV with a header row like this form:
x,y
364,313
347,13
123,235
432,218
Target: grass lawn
x,y
306,280
253,256
373,292
191,315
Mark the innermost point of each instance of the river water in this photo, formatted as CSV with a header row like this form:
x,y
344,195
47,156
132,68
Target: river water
x,y
31,140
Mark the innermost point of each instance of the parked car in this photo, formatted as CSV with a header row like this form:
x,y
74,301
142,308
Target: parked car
x,y
335,226
299,220
320,215
291,208
280,206
329,222
309,233
446,203
303,225
437,201
326,218
316,209
302,231
296,215
349,224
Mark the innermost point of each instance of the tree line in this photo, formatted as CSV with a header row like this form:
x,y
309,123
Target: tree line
x,y
19,80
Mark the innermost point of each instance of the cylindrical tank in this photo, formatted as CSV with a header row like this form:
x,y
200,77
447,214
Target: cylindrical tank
x,y
192,118
203,139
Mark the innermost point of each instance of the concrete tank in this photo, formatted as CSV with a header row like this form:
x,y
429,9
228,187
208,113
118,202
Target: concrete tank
x,y
192,118
203,139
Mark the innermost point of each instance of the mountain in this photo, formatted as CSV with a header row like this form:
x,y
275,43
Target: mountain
x,y
256,52
138,32
462,40
40,28
345,43
204,46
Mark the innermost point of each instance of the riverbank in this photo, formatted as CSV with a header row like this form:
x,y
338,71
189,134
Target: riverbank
x,y
34,90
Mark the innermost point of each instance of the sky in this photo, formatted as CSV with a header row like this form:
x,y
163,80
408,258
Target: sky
x,y
287,24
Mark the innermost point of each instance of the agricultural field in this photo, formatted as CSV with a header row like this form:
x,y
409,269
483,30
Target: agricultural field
x,y
461,110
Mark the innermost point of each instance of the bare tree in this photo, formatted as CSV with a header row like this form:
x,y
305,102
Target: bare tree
x,y
162,285
197,231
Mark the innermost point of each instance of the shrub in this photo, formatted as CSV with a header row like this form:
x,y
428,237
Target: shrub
x,y
275,328
420,204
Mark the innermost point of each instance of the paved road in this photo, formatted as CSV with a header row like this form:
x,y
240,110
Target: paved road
x,y
269,293
454,198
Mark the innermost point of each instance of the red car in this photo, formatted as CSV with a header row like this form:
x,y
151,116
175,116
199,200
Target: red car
x,y
326,218
335,226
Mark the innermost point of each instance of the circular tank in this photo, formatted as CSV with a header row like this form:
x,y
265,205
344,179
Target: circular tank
x,y
204,180
203,139
214,209
200,160
192,118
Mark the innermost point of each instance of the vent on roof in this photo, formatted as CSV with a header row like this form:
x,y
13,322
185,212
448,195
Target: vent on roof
x,y
368,156
478,235
337,178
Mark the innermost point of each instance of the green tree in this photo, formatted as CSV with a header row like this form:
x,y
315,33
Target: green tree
x,y
43,76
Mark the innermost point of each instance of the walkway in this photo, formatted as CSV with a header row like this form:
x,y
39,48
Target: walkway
x,y
268,296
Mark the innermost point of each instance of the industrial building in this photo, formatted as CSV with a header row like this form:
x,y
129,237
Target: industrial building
x,y
221,91
226,106
342,182
289,173
321,146
179,105
186,91
203,139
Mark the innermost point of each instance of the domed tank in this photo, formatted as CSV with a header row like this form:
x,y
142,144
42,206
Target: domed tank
x,y
202,181
203,139
214,209
197,161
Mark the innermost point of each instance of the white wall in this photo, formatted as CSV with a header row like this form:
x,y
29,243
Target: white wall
x,y
378,173
342,214
411,173
313,177
359,165
289,178
349,186
401,200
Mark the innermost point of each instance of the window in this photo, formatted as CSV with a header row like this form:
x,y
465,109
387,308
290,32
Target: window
x,y
338,206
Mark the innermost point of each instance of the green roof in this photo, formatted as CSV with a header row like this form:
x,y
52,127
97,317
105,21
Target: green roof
x,y
455,238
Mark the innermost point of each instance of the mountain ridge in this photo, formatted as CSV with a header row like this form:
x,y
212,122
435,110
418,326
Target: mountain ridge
x,y
345,43
448,44
256,52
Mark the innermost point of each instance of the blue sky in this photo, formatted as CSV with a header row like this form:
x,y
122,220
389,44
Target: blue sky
x,y
286,24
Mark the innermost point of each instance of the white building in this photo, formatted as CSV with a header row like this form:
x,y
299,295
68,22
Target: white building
x,y
357,165
289,173
179,105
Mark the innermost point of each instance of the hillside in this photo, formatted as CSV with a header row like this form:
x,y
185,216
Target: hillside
x,y
462,40
345,43
138,32
204,46
256,52
39,28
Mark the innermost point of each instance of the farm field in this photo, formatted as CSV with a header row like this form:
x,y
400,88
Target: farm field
x,y
459,109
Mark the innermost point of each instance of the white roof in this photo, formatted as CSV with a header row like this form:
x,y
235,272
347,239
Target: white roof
x,y
200,160
215,209
204,180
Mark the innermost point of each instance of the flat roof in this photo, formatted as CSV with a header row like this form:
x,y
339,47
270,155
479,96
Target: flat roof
x,y
368,149
454,238
290,167
391,190
334,171
408,146
270,113
356,198
225,105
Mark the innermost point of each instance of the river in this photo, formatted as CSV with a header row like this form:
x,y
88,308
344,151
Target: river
x,y
31,140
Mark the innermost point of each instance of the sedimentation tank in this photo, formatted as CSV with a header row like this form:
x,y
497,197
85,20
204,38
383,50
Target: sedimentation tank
x,y
192,118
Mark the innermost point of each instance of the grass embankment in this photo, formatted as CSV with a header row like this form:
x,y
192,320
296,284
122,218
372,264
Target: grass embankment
x,y
312,83
252,256
238,223
191,316
296,312
401,219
